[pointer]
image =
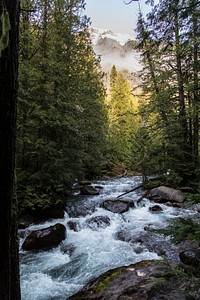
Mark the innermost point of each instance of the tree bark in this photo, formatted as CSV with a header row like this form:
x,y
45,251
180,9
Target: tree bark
x,y
9,262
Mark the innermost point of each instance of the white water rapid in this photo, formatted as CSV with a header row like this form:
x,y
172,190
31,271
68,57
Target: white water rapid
x,y
54,275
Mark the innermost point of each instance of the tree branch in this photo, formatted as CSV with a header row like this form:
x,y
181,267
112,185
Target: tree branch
x,y
132,190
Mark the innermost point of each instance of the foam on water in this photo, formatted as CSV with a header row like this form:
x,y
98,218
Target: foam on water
x,y
53,275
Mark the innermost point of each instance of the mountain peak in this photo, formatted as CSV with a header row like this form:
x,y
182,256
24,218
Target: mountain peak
x,y
115,49
99,33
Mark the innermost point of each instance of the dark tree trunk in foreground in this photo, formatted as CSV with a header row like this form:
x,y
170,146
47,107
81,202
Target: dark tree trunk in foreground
x,y
9,262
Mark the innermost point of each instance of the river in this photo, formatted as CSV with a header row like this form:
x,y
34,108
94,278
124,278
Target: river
x,y
56,275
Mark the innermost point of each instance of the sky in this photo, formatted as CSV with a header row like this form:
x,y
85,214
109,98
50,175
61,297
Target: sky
x,y
114,14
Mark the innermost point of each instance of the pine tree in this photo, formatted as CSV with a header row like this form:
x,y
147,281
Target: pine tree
x,y
122,117
62,119
163,41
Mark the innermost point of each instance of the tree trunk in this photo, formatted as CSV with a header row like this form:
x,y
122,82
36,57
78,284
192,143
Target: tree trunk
x,y
180,81
196,85
9,262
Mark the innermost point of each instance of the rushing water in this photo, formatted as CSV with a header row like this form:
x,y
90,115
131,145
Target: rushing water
x,y
54,275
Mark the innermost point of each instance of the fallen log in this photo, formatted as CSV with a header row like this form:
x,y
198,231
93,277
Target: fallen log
x,y
141,185
132,190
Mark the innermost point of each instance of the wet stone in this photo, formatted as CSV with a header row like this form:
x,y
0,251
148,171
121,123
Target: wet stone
x,y
88,190
73,225
140,281
45,238
117,206
155,208
191,257
138,249
98,222
166,194
68,249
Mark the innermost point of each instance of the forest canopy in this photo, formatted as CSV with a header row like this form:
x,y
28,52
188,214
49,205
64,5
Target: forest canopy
x,y
70,127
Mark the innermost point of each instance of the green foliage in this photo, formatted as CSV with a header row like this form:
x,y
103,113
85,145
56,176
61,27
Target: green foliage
x,y
194,198
32,197
148,155
152,183
123,121
170,82
62,118
181,229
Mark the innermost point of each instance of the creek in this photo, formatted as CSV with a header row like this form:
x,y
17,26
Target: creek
x,y
56,275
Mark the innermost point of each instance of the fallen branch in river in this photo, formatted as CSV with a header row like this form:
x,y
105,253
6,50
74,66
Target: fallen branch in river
x,y
141,186
132,190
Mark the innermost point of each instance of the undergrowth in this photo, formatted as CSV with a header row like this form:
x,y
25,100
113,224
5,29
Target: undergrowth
x,y
181,229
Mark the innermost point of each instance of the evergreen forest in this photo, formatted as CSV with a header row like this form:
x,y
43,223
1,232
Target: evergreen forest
x,y
61,125
71,128
62,116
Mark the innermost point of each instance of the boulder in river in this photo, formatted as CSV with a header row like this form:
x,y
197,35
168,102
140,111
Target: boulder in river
x,y
88,190
125,236
45,238
146,280
155,208
117,206
191,257
79,209
98,222
73,225
166,194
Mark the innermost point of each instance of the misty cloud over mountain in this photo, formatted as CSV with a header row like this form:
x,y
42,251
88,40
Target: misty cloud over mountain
x,y
115,49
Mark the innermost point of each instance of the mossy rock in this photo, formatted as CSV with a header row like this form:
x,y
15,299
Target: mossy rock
x,y
146,280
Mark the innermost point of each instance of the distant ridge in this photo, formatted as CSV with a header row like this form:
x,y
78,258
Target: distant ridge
x,y
98,33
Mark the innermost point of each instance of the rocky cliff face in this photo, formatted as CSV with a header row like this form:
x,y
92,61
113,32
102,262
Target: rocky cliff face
x,y
119,50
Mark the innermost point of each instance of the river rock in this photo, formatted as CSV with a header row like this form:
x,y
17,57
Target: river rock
x,y
165,194
155,208
73,225
76,212
191,257
98,222
146,280
45,238
88,190
117,206
68,249
149,228
150,240
138,249
125,236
